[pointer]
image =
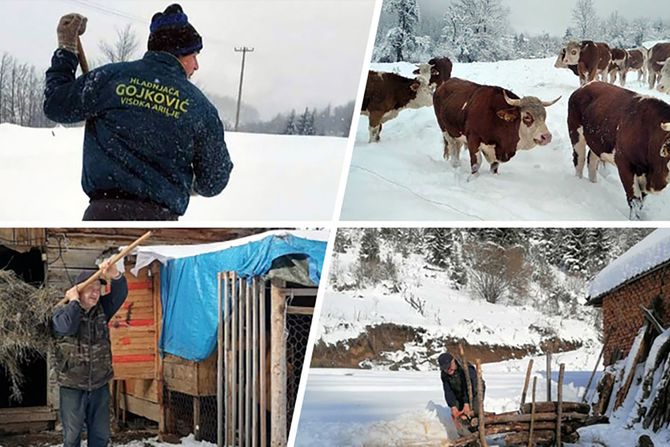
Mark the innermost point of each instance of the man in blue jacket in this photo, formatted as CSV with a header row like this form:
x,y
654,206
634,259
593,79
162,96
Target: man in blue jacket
x,y
152,138
454,384
84,355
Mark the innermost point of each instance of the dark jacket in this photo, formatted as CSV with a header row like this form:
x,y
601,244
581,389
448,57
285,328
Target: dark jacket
x,y
83,348
150,133
456,387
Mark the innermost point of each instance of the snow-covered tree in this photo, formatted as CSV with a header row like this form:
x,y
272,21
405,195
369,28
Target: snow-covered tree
x,y
291,125
477,30
615,31
585,20
401,42
369,251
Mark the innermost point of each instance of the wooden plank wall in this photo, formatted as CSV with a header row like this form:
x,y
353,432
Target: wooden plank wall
x,y
22,239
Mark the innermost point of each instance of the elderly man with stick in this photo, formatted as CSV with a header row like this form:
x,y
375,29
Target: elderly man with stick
x,y
84,354
459,389
152,138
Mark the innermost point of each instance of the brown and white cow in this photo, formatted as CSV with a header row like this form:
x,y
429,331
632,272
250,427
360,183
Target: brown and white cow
x,y
624,128
664,77
387,94
617,66
560,62
658,54
440,71
592,59
490,120
636,61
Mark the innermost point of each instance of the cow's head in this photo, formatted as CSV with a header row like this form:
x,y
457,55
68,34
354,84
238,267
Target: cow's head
x,y
664,82
571,56
433,75
530,114
665,148
559,60
424,91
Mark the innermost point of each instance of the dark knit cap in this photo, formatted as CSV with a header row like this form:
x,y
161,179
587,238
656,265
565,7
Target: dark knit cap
x,y
171,32
444,360
84,275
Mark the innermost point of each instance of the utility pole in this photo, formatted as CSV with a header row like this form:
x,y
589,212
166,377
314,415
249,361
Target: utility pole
x,y
244,51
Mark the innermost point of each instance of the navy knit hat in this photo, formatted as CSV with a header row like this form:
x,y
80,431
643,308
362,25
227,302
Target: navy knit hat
x,y
84,275
171,32
444,360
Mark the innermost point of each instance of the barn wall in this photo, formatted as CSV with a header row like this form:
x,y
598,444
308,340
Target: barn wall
x,y
622,315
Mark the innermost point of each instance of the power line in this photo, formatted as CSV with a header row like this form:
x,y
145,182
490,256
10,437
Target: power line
x,y
116,12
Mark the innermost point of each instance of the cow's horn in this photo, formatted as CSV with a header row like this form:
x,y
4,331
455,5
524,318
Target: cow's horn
x,y
549,103
512,102
666,126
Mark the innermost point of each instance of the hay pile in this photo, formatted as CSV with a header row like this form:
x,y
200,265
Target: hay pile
x,y
25,313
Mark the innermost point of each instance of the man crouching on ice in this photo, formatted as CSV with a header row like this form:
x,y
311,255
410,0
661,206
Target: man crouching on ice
x,y
152,138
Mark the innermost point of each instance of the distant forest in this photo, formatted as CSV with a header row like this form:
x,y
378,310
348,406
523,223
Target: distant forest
x,y
479,30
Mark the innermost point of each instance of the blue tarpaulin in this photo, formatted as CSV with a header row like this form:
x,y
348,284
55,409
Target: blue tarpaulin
x,y
189,289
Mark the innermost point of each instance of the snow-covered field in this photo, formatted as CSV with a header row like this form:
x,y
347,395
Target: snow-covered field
x,y
276,177
344,407
385,408
404,177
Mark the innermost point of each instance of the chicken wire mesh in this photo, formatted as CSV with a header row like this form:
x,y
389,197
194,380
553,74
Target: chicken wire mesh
x,y
185,414
297,328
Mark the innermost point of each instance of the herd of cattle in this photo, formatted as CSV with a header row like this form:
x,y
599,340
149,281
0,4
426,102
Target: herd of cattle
x,y
619,126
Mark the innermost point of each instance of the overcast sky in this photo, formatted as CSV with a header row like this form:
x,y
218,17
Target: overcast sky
x,y
539,16
308,53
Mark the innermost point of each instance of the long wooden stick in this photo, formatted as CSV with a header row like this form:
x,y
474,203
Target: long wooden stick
x,y
113,260
559,411
468,382
532,414
82,56
526,382
548,376
595,368
480,403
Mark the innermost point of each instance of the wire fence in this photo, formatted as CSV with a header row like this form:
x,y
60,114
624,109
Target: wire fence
x,y
297,328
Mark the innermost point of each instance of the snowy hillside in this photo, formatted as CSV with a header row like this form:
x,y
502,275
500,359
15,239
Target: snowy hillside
x,y
275,177
540,184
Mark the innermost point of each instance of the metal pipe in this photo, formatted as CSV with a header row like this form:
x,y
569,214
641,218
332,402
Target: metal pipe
x,y
255,351
234,346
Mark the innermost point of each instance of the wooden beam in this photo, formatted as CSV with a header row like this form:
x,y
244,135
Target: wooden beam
x,y
468,382
480,402
595,368
529,370
532,414
26,414
299,310
559,412
549,376
278,370
551,407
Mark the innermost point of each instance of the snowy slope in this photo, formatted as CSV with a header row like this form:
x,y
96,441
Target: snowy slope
x,y
540,184
275,177
647,254
427,301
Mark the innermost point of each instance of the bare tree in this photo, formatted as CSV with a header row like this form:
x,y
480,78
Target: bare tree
x,y
495,270
123,49
585,19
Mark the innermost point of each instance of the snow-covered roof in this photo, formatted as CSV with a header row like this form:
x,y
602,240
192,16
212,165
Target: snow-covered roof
x,y
649,253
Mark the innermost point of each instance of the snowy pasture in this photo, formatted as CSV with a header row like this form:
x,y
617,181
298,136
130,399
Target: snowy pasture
x,y
276,177
404,177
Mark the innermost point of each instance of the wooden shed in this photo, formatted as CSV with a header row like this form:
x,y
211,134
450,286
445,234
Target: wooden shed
x,y
55,256
629,285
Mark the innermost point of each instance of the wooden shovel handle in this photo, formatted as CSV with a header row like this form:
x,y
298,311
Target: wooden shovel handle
x,y
82,56
113,260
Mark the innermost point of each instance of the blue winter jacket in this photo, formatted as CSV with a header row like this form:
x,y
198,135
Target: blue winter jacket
x,y
150,133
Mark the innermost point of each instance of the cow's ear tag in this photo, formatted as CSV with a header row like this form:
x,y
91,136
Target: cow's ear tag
x,y
508,115
414,86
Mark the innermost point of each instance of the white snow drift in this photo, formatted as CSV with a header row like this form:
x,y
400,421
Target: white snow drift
x,y
275,177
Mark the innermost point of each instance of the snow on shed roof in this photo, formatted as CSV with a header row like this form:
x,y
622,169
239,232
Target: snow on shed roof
x,y
650,252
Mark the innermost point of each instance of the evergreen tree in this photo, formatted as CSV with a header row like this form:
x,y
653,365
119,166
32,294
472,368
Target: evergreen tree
x,y
400,41
291,125
437,246
369,251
